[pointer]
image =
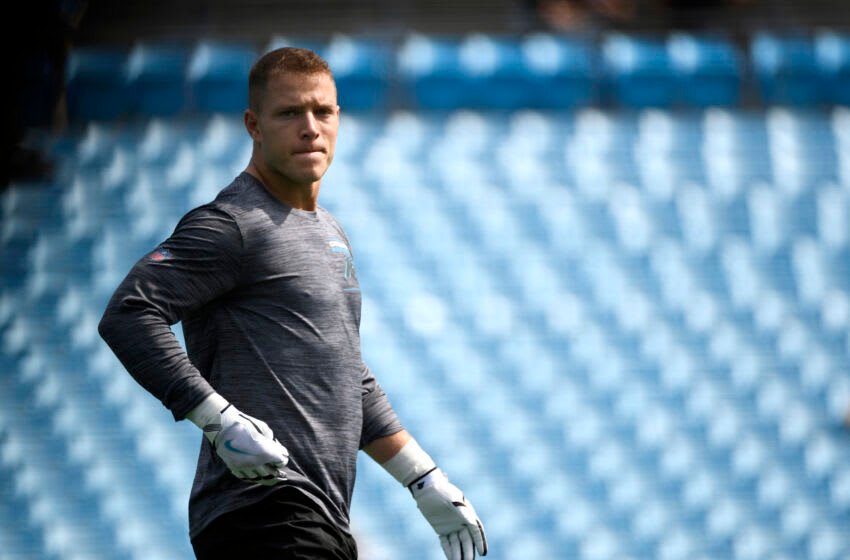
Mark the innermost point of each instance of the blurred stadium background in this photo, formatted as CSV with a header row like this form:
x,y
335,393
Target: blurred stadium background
x,y
605,259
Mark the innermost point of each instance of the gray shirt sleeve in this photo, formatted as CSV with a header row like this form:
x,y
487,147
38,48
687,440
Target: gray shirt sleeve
x,y
379,418
198,263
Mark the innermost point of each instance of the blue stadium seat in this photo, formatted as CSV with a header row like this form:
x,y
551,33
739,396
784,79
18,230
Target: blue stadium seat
x,y
801,156
563,71
430,72
639,70
14,260
495,72
708,69
362,70
223,140
537,71
61,259
840,490
21,539
97,86
786,69
218,76
95,147
357,134
832,49
158,143
156,74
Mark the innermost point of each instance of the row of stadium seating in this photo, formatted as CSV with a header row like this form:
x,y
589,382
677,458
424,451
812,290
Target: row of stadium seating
x,y
624,334
478,71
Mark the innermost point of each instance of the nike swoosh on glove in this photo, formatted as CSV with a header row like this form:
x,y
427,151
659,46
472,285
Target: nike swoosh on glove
x,y
248,448
450,514
245,444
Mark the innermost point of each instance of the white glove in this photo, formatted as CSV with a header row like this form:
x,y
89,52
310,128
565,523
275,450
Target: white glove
x,y
245,444
451,515
442,503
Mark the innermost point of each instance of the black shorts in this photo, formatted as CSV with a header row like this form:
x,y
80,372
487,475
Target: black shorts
x,y
286,525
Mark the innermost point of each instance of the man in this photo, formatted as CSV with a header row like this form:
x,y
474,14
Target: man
x,y
263,281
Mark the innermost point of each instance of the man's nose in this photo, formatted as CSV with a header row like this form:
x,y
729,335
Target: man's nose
x,y
310,127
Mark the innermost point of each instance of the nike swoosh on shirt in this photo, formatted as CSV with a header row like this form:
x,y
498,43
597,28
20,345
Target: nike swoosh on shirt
x,y
228,444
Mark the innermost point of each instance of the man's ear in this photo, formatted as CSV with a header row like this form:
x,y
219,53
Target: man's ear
x,y
250,120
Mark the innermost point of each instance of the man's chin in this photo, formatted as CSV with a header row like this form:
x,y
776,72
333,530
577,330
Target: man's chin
x,y
313,177
305,176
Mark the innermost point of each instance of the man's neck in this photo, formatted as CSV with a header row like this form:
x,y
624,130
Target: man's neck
x,y
300,197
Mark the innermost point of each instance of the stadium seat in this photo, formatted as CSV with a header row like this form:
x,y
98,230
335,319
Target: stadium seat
x,y
362,69
223,140
21,539
493,72
708,69
158,142
217,76
639,70
840,490
800,156
97,85
14,258
833,209
832,49
496,75
156,76
786,69
430,72
563,71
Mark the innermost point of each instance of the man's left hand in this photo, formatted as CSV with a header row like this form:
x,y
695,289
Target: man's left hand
x,y
451,515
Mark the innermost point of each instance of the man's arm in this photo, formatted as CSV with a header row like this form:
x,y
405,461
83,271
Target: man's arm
x,y
383,449
442,504
197,264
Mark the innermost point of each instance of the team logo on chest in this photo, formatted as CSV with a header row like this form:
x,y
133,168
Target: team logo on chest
x,y
337,246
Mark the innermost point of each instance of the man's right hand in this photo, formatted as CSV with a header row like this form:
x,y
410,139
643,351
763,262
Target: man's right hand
x,y
245,444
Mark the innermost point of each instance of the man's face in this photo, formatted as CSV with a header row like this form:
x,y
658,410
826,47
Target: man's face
x,y
295,127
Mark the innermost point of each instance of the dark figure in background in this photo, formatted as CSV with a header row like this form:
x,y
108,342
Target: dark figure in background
x,y
568,16
584,16
704,14
44,30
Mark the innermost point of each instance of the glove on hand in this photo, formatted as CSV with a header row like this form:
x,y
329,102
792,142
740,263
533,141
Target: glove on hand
x,y
245,444
441,502
450,514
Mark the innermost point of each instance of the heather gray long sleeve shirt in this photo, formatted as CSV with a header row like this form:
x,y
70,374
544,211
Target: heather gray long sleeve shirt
x,y
270,307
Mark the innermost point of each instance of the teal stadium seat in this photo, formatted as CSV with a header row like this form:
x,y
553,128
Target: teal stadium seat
x,y
431,72
363,70
708,68
832,51
97,86
156,75
217,76
786,69
639,70
491,72
563,71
